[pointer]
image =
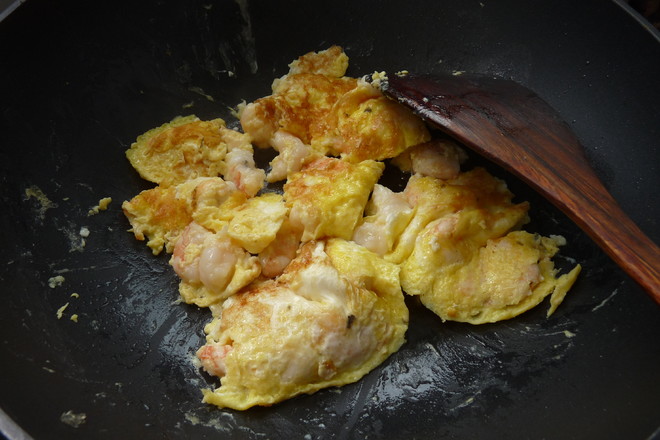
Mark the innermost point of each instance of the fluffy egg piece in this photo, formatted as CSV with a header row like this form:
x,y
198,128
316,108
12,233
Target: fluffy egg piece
x,y
161,214
182,149
328,196
335,314
211,265
364,124
433,198
255,224
300,99
499,280
387,215
331,112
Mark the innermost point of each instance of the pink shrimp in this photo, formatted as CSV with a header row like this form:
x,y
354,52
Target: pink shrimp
x,y
242,171
438,158
293,155
279,253
212,356
200,256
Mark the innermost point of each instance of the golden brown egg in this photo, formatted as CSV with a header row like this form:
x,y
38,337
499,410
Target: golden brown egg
x,y
335,314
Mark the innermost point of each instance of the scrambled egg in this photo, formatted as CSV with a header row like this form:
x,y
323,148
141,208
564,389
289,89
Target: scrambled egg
x,y
300,99
458,254
363,124
211,266
306,285
461,280
331,113
256,223
327,198
476,189
161,214
179,150
335,314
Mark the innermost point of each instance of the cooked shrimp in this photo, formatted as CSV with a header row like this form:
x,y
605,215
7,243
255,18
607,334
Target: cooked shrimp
x,y
331,317
440,158
443,241
211,266
212,192
259,120
293,155
388,215
212,356
242,170
200,256
235,139
184,262
280,251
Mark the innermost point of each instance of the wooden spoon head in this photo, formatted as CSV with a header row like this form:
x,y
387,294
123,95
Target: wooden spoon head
x,y
513,127
498,118
505,122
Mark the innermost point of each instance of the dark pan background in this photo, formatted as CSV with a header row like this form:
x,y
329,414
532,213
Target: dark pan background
x,y
79,81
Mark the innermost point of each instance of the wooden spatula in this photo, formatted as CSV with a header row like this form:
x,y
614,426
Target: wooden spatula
x,y
510,125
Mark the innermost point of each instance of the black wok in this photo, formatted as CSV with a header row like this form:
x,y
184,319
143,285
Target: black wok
x,y
79,81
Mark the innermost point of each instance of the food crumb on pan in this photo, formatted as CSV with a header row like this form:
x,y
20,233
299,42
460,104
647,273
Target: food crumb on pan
x,y
75,236
55,281
377,77
214,423
467,402
102,206
73,419
60,311
84,232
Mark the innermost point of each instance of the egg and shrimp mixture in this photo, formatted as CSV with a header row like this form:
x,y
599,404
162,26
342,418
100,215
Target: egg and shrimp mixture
x,y
306,285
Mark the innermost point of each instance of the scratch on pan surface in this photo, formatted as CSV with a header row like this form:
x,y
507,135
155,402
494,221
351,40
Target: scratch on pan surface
x,y
247,37
358,404
85,268
432,348
201,92
603,302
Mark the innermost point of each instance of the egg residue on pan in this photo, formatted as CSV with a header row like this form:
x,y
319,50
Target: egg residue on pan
x,y
306,284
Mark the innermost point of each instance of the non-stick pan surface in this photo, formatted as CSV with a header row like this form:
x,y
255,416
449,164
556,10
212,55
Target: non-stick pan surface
x,y
79,81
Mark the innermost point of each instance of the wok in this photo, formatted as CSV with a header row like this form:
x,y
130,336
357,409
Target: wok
x,y
79,81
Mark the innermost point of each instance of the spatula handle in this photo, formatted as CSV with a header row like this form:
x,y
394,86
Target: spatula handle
x,y
578,192
606,223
